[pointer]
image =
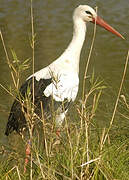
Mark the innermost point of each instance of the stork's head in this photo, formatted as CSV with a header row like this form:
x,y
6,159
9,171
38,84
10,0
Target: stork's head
x,y
88,14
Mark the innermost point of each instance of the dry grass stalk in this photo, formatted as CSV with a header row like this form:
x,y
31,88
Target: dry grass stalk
x,y
118,96
84,97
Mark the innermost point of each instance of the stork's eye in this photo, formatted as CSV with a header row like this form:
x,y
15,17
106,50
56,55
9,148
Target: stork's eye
x,y
88,12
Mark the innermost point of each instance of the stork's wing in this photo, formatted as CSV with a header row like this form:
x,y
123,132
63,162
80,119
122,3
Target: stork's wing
x,y
22,104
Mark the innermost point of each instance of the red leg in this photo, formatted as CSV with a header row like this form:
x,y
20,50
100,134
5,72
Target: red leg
x,y
58,132
28,152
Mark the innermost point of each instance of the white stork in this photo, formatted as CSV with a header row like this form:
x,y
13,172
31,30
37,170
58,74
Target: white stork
x,y
58,81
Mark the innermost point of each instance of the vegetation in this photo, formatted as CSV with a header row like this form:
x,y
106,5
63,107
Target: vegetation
x,y
84,150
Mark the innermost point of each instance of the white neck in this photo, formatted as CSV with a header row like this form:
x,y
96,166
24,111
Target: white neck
x,y
72,53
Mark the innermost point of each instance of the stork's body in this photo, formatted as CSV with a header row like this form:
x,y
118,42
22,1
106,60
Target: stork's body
x,y
59,81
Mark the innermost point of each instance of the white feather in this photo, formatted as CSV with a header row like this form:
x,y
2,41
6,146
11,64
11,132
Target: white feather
x,y
64,86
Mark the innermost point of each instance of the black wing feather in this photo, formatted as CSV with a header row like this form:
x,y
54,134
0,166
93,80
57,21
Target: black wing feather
x,y
16,120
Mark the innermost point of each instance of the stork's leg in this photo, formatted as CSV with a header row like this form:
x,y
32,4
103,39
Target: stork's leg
x,y
28,152
58,132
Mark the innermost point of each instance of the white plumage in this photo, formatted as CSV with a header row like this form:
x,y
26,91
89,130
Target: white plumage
x,y
60,79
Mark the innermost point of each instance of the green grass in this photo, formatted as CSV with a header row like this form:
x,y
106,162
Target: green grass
x,y
61,158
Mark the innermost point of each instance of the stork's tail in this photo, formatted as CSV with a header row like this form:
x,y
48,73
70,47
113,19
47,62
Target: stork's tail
x,y
10,124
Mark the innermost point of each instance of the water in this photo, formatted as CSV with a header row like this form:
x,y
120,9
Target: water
x,y
53,28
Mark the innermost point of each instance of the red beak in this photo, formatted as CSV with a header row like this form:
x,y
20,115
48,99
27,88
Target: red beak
x,y
105,25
